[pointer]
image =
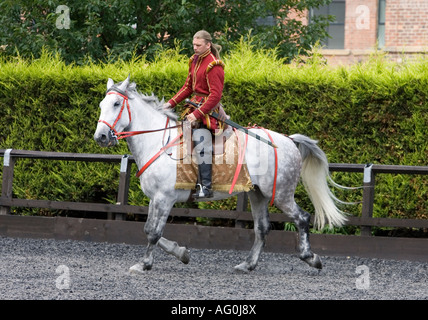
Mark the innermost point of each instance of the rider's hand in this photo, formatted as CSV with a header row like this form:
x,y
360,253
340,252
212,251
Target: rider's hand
x,y
167,105
191,118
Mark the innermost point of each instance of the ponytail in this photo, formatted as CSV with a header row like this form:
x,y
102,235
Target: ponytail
x,y
215,49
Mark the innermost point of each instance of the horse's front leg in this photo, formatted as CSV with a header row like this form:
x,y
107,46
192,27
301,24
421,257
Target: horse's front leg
x,y
156,220
172,247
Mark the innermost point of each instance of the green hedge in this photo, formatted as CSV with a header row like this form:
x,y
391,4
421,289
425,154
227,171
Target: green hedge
x,y
372,112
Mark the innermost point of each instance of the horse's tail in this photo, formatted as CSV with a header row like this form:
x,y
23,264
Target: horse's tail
x,y
315,175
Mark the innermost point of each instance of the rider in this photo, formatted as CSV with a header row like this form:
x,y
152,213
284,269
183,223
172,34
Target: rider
x,y
204,83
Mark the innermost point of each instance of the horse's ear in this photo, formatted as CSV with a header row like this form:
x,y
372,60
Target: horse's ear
x,y
110,83
125,83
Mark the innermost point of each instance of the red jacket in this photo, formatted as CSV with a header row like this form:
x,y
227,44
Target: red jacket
x,y
205,82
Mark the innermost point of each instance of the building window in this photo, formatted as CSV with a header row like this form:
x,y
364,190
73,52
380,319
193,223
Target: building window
x,y
268,21
336,29
381,24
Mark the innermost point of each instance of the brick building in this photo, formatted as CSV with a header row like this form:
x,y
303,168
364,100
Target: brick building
x,y
397,27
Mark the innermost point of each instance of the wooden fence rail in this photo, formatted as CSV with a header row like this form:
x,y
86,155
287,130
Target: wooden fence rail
x,y
119,210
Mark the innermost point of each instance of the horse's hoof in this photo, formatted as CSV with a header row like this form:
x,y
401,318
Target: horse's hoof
x,y
137,269
314,261
242,268
185,255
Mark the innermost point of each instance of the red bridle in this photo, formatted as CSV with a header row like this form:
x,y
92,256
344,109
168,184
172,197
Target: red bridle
x,y
118,135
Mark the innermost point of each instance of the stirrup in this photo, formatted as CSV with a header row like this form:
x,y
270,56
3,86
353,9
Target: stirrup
x,y
204,192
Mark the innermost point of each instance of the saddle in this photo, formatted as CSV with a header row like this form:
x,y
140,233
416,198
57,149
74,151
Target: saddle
x,y
229,171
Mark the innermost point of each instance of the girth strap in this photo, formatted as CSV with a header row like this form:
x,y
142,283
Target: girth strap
x,y
276,166
240,159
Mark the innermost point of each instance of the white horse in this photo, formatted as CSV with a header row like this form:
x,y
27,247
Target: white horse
x,y
124,111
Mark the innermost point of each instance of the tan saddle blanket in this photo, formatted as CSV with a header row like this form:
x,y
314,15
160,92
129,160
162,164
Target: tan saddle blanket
x,y
229,172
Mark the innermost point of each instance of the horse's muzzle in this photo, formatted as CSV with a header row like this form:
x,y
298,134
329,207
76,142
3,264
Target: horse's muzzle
x,y
106,140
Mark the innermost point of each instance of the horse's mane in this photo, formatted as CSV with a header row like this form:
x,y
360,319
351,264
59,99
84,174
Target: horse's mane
x,y
152,100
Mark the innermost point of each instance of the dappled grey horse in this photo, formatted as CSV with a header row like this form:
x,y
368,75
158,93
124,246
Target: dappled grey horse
x,y
142,120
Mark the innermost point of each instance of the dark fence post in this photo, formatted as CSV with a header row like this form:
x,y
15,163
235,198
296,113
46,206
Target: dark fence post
x,y
7,189
368,198
122,194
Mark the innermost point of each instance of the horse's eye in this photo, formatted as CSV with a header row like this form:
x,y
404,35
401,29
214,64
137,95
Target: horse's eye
x,y
117,103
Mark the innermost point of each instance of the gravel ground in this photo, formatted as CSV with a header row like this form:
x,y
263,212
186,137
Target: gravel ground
x,y
73,270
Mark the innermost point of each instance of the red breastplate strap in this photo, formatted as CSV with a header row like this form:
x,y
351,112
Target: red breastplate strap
x,y
169,145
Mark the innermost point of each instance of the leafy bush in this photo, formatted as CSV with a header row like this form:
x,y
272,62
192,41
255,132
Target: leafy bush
x,y
372,112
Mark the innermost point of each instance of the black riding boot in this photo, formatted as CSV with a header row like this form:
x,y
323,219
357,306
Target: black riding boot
x,y
204,187
203,151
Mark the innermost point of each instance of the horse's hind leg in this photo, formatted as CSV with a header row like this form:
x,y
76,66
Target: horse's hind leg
x,y
302,219
259,208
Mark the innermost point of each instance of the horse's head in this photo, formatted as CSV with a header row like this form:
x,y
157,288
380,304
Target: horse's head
x,y
115,113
